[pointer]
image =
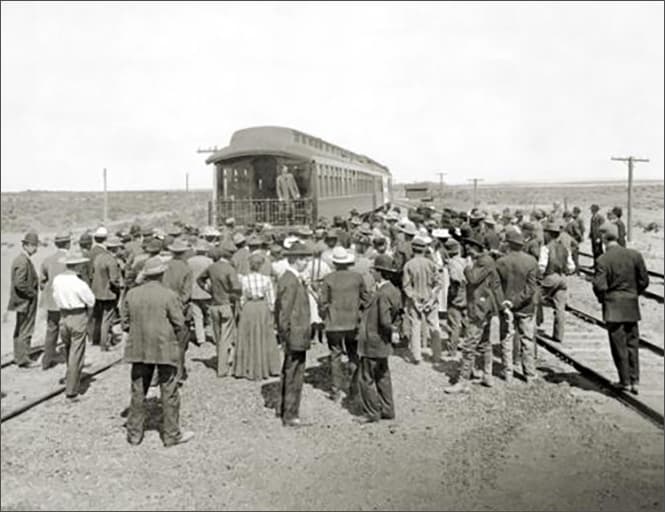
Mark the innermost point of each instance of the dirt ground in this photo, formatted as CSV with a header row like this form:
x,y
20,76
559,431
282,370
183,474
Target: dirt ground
x,y
556,444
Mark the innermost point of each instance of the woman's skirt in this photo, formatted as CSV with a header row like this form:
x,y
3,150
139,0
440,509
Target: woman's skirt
x,y
257,354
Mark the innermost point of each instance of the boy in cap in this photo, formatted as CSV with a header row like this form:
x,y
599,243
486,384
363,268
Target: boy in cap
x,y
374,344
293,331
24,290
52,265
154,323
74,299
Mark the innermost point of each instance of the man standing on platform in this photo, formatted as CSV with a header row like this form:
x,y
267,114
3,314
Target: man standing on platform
x,y
620,277
293,330
51,267
287,191
74,299
23,299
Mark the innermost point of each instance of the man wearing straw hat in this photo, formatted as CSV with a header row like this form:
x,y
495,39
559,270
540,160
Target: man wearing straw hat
x,y
52,265
24,290
153,319
74,299
343,294
293,332
106,285
179,277
374,344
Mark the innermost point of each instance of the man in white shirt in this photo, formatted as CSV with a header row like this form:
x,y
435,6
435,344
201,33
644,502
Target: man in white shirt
x,y
74,298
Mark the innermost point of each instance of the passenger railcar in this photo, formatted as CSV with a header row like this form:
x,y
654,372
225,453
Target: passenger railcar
x,y
331,180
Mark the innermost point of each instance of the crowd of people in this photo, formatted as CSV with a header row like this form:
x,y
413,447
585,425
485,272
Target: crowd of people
x,y
422,281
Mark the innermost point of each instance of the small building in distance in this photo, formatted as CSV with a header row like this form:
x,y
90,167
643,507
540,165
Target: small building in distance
x,y
417,192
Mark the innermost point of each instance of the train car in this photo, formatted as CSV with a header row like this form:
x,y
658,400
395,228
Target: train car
x,y
331,180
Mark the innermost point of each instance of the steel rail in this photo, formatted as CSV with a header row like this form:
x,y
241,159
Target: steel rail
x,y
652,273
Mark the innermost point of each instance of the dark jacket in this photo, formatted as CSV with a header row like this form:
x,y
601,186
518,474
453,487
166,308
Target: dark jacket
x,y
403,252
24,283
198,264
292,312
95,251
152,315
532,247
621,229
620,277
178,277
51,267
518,272
457,287
224,286
573,229
342,295
491,239
106,277
597,220
378,320
483,289
240,260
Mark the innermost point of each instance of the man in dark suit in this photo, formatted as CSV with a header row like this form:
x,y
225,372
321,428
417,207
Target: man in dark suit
x,y
620,277
106,285
153,319
287,191
52,265
595,235
518,273
23,299
615,217
293,331
374,338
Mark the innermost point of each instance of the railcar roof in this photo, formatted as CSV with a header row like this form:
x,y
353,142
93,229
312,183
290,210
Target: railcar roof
x,y
287,142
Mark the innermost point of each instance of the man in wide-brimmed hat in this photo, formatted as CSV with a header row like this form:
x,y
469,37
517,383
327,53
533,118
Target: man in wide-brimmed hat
x,y
343,294
555,262
154,323
293,332
24,291
240,259
518,272
74,299
221,281
374,344
52,265
403,251
179,277
331,240
484,300
422,284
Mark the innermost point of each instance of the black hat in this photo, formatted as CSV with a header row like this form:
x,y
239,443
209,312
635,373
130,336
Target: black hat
x,y
475,243
298,249
384,262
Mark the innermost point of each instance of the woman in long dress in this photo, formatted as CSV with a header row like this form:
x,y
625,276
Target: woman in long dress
x,y
257,355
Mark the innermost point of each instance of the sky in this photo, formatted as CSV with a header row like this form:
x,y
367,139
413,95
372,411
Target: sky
x,y
498,91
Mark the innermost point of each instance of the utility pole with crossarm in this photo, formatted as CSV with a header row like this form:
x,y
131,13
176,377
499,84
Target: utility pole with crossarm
x,y
475,190
630,160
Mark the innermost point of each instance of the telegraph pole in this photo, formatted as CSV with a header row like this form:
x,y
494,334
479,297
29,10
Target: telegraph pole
x,y
630,160
475,190
208,150
106,201
441,175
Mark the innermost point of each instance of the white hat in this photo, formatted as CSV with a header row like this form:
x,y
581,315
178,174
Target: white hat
x,y
101,232
440,233
290,240
428,240
422,232
342,256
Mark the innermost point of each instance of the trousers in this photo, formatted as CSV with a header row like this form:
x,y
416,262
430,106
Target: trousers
x,y
73,330
517,333
624,344
457,326
23,330
292,380
376,389
338,342
476,341
224,330
103,315
554,294
169,396
51,338
199,309
422,327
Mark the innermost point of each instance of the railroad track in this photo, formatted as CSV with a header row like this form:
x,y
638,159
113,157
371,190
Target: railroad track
x,y
8,359
651,293
24,389
586,347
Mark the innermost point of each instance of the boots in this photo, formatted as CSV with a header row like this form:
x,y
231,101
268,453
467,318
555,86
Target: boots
x,y
487,369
